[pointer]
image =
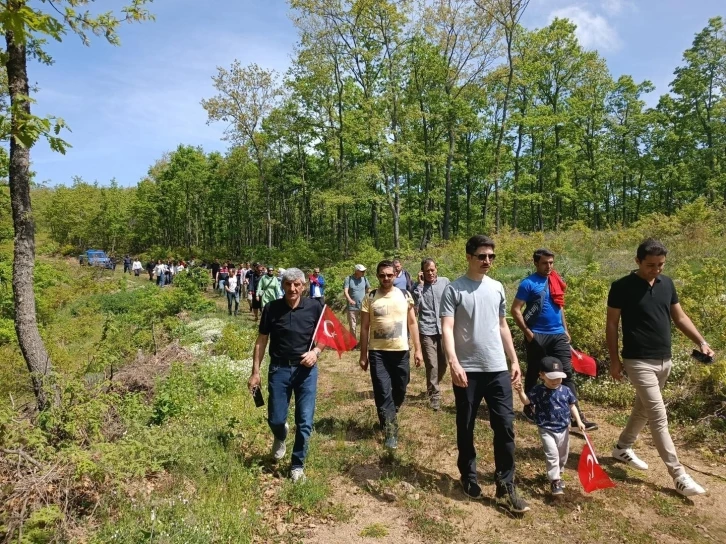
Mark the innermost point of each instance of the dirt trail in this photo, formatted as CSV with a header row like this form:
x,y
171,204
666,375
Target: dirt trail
x,y
414,496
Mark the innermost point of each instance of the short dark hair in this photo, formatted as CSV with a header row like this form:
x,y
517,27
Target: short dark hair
x,y
541,252
476,241
383,264
650,246
427,260
396,260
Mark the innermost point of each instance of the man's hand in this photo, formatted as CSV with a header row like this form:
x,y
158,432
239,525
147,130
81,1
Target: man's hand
x,y
420,277
569,338
616,369
351,301
528,335
516,373
517,386
706,349
458,375
363,361
418,357
254,381
309,358
581,426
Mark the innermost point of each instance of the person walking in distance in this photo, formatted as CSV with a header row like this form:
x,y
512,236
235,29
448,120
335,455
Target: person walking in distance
x,y
538,310
268,288
317,285
476,339
427,302
127,263
289,324
260,271
644,302
387,320
355,288
230,287
403,278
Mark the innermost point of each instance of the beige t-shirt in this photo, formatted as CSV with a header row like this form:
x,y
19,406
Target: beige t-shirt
x,y
388,319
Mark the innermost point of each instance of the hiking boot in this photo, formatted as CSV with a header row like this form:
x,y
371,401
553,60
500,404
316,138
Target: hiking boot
x,y
278,446
391,442
508,497
435,404
627,455
686,486
471,489
557,487
528,413
297,475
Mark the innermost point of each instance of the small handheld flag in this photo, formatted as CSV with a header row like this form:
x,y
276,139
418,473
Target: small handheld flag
x,y
592,476
583,363
329,332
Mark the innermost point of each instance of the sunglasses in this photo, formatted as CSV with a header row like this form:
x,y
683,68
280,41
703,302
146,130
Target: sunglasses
x,y
386,275
484,256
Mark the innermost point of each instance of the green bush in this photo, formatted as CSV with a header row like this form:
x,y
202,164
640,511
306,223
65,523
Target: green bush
x,y
175,395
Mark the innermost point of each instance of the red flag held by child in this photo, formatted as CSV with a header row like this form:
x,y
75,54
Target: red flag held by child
x,y
583,363
592,476
329,332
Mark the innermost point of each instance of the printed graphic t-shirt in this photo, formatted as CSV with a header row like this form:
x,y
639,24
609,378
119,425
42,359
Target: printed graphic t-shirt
x,y
388,319
551,407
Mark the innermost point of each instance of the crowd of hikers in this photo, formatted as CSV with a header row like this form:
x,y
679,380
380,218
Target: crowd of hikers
x,y
461,326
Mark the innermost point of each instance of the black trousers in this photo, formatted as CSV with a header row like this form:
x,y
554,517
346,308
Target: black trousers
x,y
495,388
390,374
551,345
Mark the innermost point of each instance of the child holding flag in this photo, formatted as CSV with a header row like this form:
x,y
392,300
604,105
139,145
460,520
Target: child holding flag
x,y
553,406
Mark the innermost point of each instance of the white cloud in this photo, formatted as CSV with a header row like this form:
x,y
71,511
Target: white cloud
x,y
613,7
593,30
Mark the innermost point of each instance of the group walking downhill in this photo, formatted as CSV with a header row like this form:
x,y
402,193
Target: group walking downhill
x,y
460,326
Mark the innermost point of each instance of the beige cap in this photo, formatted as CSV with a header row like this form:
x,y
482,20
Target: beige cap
x,y
360,268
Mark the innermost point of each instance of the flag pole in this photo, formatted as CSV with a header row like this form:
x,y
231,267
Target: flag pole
x,y
592,450
317,327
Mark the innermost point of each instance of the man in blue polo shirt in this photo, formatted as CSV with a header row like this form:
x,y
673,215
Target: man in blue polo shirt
x,y
544,326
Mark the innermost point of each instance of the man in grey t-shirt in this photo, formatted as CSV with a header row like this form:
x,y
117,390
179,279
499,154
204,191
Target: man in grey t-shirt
x,y
476,338
355,289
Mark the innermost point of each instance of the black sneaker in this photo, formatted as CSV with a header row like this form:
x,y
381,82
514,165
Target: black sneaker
x,y
589,425
557,487
508,497
528,413
471,489
391,442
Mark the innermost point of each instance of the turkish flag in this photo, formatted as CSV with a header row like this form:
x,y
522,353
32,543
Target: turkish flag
x,y
329,332
592,476
583,363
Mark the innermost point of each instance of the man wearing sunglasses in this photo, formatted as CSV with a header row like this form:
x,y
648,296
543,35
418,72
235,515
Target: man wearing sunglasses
x,y
476,339
387,320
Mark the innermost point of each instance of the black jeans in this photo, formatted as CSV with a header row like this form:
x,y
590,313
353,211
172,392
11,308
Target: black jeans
x,y
552,345
390,374
496,389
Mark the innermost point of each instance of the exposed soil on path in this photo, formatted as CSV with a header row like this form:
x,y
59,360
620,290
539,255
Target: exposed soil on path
x,y
414,495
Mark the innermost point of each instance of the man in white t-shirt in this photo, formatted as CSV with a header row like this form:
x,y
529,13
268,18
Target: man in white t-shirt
x,y
476,339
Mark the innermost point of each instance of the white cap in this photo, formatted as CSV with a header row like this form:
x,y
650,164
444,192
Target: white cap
x,y
360,268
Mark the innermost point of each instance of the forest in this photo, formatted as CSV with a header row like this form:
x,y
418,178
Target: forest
x,y
397,125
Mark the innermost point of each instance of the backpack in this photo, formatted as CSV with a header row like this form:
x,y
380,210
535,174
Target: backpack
x,y
372,293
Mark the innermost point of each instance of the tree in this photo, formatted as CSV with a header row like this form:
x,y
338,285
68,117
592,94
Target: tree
x,y
246,97
26,26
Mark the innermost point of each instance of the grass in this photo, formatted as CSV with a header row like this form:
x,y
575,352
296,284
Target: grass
x,y
375,530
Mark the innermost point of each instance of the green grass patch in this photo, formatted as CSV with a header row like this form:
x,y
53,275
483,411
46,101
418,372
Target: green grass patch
x,y
375,530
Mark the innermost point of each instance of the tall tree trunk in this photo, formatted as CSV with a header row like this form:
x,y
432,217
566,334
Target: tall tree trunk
x,y
26,325
449,167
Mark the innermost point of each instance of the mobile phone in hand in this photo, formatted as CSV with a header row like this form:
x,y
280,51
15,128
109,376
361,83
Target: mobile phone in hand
x,y
257,395
702,357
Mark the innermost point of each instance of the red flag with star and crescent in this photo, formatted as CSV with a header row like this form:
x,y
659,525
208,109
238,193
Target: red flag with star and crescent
x,y
331,333
592,476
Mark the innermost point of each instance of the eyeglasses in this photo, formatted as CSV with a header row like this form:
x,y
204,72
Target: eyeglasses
x,y
484,256
386,276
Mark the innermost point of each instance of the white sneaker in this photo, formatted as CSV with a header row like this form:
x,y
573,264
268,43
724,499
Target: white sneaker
x,y
686,486
297,475
627,455
278,446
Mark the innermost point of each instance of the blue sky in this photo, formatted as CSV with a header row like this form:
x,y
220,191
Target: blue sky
x,y
128,105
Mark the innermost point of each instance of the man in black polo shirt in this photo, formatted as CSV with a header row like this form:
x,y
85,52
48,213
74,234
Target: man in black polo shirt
x,y
289,324
646,301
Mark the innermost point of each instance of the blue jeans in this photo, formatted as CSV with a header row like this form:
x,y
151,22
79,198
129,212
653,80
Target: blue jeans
x,y
282,382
